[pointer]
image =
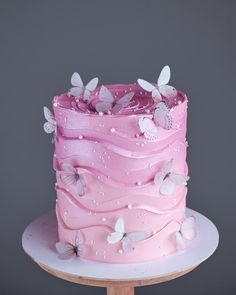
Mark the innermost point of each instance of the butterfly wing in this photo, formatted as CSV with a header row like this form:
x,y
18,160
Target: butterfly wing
x,y
162,116
120,226
178,178
148,128
159,177
167,187
48,115
80,250
105,100
76,80
146,85
156,95
127,245
90,87
188,228
168,91
65,250
79,239
166,168
76,91
136,236
67,167
122,102
80,184
68,178
92,84
164,76
114,237
105,95
103,107
48,127
180,241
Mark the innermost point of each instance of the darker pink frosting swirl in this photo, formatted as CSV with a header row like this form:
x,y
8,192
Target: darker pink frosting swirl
x,y
141,103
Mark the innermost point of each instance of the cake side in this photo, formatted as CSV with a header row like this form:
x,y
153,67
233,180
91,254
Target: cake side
x,y
118,164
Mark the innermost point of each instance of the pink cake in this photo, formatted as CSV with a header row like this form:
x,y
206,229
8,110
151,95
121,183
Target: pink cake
x,y
120,162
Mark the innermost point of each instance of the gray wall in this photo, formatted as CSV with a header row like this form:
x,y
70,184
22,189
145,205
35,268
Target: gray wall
x,y
44,42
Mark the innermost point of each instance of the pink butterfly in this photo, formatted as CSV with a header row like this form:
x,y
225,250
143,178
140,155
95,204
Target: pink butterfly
x,y
186,233
50,125
107,103
70,176
162,116
127,239
168,180
79,89
68,250
148,128
161,88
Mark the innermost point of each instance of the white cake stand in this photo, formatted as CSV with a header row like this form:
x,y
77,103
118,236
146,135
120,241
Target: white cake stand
x,y
39,239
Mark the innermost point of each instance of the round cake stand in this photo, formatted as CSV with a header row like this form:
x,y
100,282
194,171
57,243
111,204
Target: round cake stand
x,y
39,240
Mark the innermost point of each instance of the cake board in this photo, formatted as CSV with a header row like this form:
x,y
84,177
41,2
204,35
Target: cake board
x,y
39,240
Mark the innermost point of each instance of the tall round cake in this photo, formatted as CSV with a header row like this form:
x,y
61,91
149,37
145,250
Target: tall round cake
x,y
120,162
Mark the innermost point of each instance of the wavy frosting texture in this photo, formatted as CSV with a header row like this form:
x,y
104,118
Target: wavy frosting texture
x,y
118,165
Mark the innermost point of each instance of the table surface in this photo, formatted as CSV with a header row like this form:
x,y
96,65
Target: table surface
x,y
40,236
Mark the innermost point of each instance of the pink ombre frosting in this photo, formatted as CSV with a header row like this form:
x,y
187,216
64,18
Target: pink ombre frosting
x,y
118,165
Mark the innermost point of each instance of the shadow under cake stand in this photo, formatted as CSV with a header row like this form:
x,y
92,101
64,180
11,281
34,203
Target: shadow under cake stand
x,y
39,240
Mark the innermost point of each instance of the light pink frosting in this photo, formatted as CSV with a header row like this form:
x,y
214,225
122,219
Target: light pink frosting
x,y
118,165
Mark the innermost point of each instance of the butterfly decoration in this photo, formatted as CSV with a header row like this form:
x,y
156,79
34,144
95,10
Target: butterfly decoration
x,y
68,250
107,103
162,116
70,176
186,233
161,88
126,239
79,89
148,128
168,180
50,125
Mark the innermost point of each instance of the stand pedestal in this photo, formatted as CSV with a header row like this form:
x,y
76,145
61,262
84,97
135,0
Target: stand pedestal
x,y
39,240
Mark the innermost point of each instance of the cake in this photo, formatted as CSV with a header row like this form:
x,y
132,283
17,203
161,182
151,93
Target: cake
x,y
121,171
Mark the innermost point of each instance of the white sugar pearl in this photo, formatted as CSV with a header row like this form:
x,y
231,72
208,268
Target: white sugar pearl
x,y
120,251
139,183
130,206
104,219
100,114
81,137
112,130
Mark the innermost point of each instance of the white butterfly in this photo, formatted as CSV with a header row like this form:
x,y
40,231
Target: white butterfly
x,y
50,125
161,88
162,116
79,88
127,239
70,176
187,232
68,250
107,103
148,128
168,180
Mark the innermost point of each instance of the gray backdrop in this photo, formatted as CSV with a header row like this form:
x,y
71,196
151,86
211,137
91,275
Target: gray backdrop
x,y
44,42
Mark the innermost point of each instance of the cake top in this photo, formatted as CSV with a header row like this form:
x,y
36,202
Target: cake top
x,y
153,101
119,99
